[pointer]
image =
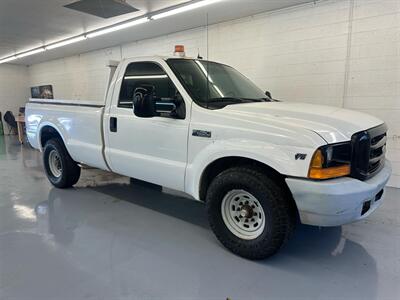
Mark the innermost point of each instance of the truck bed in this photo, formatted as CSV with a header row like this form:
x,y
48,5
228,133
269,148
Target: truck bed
x,y
79,123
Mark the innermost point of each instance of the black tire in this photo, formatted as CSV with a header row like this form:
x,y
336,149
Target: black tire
x,y
70,171
277,206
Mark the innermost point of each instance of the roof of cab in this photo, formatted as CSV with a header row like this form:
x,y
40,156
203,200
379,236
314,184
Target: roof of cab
x,y
157,57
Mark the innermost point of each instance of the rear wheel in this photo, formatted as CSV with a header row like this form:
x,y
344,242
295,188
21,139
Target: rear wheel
x,y
249,213
61,170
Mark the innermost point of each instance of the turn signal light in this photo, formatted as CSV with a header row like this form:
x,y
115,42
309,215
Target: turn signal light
x,y
318,171
317,160
331,172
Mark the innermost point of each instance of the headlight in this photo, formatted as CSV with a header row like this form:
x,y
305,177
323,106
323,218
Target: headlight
x,y
331,161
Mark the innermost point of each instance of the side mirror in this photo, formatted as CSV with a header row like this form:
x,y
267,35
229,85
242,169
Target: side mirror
x,y
146,105
268,94
143,102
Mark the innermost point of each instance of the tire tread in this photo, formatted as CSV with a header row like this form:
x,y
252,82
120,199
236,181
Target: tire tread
x,y
283,224
71,171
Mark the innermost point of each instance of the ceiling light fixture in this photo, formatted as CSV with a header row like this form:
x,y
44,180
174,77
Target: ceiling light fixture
x,y
2,61
184,8
66,42
92,34
118,27
31,52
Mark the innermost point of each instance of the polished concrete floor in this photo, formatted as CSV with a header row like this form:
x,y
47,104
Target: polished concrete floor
x,y
106,239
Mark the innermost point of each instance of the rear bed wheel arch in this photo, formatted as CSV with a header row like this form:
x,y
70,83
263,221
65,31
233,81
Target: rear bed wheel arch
x,y
47,132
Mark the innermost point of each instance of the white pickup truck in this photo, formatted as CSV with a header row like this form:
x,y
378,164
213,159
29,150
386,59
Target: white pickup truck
x,y
260,165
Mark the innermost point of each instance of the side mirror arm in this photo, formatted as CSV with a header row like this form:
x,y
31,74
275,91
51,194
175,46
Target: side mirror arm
x,y
165,106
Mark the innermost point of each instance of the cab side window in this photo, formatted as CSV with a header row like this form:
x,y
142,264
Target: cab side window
x,y
146,74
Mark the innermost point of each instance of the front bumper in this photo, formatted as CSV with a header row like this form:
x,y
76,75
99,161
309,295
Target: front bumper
x,y
338,201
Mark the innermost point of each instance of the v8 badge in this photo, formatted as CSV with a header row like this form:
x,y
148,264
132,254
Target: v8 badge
x,y
301,156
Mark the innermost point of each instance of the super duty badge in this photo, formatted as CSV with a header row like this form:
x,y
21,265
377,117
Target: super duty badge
x,y
201,133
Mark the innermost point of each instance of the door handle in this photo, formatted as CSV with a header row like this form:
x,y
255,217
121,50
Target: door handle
x,y
113,124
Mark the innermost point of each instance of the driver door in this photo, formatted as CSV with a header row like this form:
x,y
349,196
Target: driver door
x,y
152,149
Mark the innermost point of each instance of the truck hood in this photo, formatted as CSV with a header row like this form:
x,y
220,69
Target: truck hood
x,y
331,123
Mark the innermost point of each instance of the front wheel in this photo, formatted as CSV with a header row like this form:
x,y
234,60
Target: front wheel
x,y
249,213
61,170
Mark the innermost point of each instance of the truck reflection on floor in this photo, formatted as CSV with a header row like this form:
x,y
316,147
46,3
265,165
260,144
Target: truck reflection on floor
x,y
127,219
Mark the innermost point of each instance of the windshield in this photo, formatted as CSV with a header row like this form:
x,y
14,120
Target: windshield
x,y
225,85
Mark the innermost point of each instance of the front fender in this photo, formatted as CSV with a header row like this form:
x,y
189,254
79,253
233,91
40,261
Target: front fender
x,y
278,157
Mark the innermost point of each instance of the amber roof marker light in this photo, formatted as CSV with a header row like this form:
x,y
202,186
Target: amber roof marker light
x,y
180,51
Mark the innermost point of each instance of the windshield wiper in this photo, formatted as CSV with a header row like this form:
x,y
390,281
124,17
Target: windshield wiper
x,y
257,99
226,99
236,100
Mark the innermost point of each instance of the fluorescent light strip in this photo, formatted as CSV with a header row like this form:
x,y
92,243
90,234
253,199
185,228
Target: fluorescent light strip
x,y
209,78
146,77
2,61
118,27
204,70
218,91
30,52
99,32
66,42
184,8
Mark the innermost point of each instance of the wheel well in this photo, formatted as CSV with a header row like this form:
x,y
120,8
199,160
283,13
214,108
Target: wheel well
x,y
47,133
222,164
225,163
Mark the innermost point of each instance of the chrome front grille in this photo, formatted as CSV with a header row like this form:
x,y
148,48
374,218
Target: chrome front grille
x,y
368,152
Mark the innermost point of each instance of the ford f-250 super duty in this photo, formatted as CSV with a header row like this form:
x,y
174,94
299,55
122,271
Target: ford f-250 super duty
x,y
201,127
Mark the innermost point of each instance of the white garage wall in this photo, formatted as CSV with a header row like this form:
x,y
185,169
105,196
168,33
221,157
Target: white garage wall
x,y
77,77
13,88
344,53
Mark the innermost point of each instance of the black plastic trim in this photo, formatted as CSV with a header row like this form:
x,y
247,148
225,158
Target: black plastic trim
x,y
363,166
67,104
